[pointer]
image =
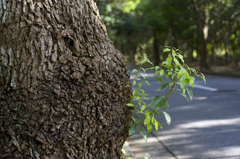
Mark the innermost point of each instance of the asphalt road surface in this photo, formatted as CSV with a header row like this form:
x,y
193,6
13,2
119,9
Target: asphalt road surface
x,y
208,127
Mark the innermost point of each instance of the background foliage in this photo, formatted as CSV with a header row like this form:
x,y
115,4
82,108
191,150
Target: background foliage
x,y
143,27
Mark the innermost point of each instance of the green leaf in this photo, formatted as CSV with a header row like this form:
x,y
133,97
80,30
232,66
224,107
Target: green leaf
x,y
149,127
134,82
158,102
155,123
124,152
166,50
155,112
182,82
147,83
147,118
138,79
167,106
166,75
144,157
143,107
157,67
144,103
145,98
161,72
167,64
143,75
190,93
150,62
150,68
130,105
134,70
203,77
184,96
134,92
159,124
193,70
140,112
158,79
183,90
182,72
143,69
167,117
163,85
144,134
137,61
176,62
131,98
139,85
192,79
132,129
169,59
138,98
143,92
157,72
127,86
181,57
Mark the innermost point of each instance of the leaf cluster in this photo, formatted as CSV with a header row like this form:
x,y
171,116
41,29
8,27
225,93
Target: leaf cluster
x,y
181,80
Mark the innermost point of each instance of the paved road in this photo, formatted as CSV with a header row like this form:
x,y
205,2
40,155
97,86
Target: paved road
x,y
208,127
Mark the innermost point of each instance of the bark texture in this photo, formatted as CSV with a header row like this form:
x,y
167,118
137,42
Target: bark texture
x,y
62,82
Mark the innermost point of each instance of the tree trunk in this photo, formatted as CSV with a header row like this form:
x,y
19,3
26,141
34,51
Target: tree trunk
x,y
123,48
134,52
62,82
190,53
213,50
156,55
203,34
226,45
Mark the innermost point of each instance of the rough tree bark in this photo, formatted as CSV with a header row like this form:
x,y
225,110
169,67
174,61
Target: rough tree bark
x,y
62,82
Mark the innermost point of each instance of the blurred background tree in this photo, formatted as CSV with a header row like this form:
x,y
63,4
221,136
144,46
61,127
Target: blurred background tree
x,y
207,31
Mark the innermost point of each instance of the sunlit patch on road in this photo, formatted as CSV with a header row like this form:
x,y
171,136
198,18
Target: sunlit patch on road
x,y
205,88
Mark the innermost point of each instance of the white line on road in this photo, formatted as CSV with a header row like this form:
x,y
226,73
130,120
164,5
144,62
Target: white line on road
x,y
204,87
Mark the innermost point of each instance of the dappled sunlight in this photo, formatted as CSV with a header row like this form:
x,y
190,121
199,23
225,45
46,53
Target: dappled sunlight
x,y
141,140
145,74
233,150
183,108
204,87
209,123
200,98
140,148
176,134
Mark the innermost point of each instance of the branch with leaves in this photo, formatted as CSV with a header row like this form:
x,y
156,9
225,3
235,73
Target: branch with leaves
x,y
181,77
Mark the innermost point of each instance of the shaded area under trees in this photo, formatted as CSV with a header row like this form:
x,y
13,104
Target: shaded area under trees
x,y
206,31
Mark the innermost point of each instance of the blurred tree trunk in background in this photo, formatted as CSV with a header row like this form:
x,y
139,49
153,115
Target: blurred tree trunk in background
x,y
213,50
190,53
62,82
156,55
202,33
123,47
226,44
